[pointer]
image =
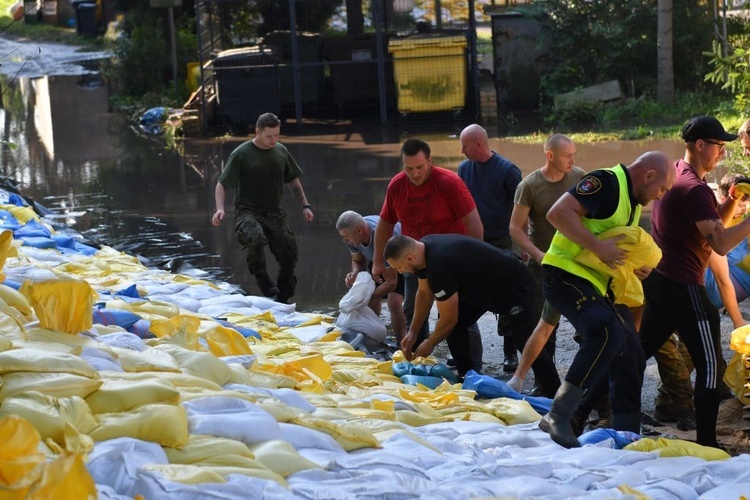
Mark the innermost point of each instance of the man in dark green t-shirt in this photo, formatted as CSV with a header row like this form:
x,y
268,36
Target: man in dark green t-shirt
x,y
257,170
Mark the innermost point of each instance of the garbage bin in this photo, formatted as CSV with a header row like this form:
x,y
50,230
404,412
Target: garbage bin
x,y
311,65
31,11
85,17
430,72
246,85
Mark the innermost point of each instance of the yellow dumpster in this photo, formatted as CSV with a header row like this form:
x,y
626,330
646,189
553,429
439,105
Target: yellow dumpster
x,y
430,72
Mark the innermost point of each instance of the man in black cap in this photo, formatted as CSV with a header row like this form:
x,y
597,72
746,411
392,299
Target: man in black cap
x,y
688,224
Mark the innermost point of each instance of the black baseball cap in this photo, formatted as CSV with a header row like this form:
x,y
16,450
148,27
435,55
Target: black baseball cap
x,y
705,127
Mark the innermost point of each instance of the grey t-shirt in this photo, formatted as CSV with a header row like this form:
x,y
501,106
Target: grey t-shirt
x,y
368,249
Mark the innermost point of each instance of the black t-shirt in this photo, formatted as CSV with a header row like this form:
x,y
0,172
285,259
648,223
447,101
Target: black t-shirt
x,y
483,275
599,193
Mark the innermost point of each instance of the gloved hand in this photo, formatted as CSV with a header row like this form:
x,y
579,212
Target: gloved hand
x,y
740,188
516,383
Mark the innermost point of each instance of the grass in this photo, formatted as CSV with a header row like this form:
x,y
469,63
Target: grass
x,y
43,32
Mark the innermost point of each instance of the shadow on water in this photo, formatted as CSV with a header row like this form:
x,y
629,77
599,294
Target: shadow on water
x,y
125,190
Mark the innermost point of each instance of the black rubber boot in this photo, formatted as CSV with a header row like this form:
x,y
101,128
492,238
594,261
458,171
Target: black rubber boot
x,y
626,421
556,423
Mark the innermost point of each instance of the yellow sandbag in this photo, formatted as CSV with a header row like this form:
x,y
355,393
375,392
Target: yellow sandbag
x,y
312,367
735,375
13,297
122,395
22,213
201,447
349,435
425,395
511,411
63,305
5,343
642,252
225,341
740,340
177,323
76,342
387,434
11,322
155,309
196,474
65,478
281,457
269,380
418,419
6,245
159,423
49,414
477,416
281,411
20,455
677,448
40,360
61,385
199,364
179,380
148,360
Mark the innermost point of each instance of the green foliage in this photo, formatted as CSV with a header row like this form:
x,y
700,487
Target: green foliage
x,y
732,72
142,62
593,41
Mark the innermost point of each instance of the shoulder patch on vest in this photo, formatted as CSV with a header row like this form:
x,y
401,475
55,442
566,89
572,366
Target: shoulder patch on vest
x,y
588,185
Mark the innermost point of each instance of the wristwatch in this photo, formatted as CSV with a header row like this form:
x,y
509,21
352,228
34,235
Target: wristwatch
x,y
308,206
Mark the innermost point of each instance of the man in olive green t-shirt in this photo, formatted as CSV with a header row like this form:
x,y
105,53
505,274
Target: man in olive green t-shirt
x,y
257,170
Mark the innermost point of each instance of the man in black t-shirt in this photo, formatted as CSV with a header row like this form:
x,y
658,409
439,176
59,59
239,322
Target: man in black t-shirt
x,y
467,278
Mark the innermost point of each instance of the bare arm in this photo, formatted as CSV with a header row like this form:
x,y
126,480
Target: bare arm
x,y
533,347
391,280
383,231
295,187
565,215
519,231
723,239
358,264
220,198
447,319
422,306
720,267
473,223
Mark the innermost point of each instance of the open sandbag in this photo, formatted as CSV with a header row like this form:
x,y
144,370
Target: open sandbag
x,y
41,360
61,385
63,305
202,447
199,364
281,457
118,395
164,424
49,414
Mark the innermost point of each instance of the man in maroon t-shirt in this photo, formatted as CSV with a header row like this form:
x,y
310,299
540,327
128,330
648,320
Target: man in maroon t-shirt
x,y
687,224
425,199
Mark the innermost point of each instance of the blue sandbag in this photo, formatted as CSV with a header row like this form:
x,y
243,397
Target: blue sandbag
x,y
32,228
431,382
131,291
63,240
14,199
84,249
38,242
245,332
401,369
141,328
490,388
15,285
441,370
111,316
620,439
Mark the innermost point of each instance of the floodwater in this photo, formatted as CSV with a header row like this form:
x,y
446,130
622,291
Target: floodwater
x,y
125,189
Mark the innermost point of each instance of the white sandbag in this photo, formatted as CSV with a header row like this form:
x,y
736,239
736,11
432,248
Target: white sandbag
x,y
359,294
229,300
245,360
182,302
220,310
152,484
356,316
30,272
292,319
307,334
100,360
201,292
48,255
116,462
155,288
301,437
231,418
264,303
126,340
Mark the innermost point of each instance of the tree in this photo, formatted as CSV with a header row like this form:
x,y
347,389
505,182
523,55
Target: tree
x,y
664,63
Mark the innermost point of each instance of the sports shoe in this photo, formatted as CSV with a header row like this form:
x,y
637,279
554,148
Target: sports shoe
x,y
510,364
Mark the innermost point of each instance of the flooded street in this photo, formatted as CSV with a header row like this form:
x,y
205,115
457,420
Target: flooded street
x,y
126,190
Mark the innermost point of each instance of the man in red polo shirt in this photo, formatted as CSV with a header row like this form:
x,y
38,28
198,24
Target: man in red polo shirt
x,y
425,199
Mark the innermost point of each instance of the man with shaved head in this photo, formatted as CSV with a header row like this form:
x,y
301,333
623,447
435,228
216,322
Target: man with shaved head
x,y
604,199
492,181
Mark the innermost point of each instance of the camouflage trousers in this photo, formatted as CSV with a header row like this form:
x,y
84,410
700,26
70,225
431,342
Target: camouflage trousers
x,y
675,392
256,229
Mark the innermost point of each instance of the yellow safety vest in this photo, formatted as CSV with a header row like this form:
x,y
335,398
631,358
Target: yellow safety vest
x,y
562,250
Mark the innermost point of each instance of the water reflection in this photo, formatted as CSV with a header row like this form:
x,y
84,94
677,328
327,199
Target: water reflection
x,y
128,191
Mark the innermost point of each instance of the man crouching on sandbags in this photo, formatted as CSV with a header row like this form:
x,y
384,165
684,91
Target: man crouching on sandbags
x,y
467,278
